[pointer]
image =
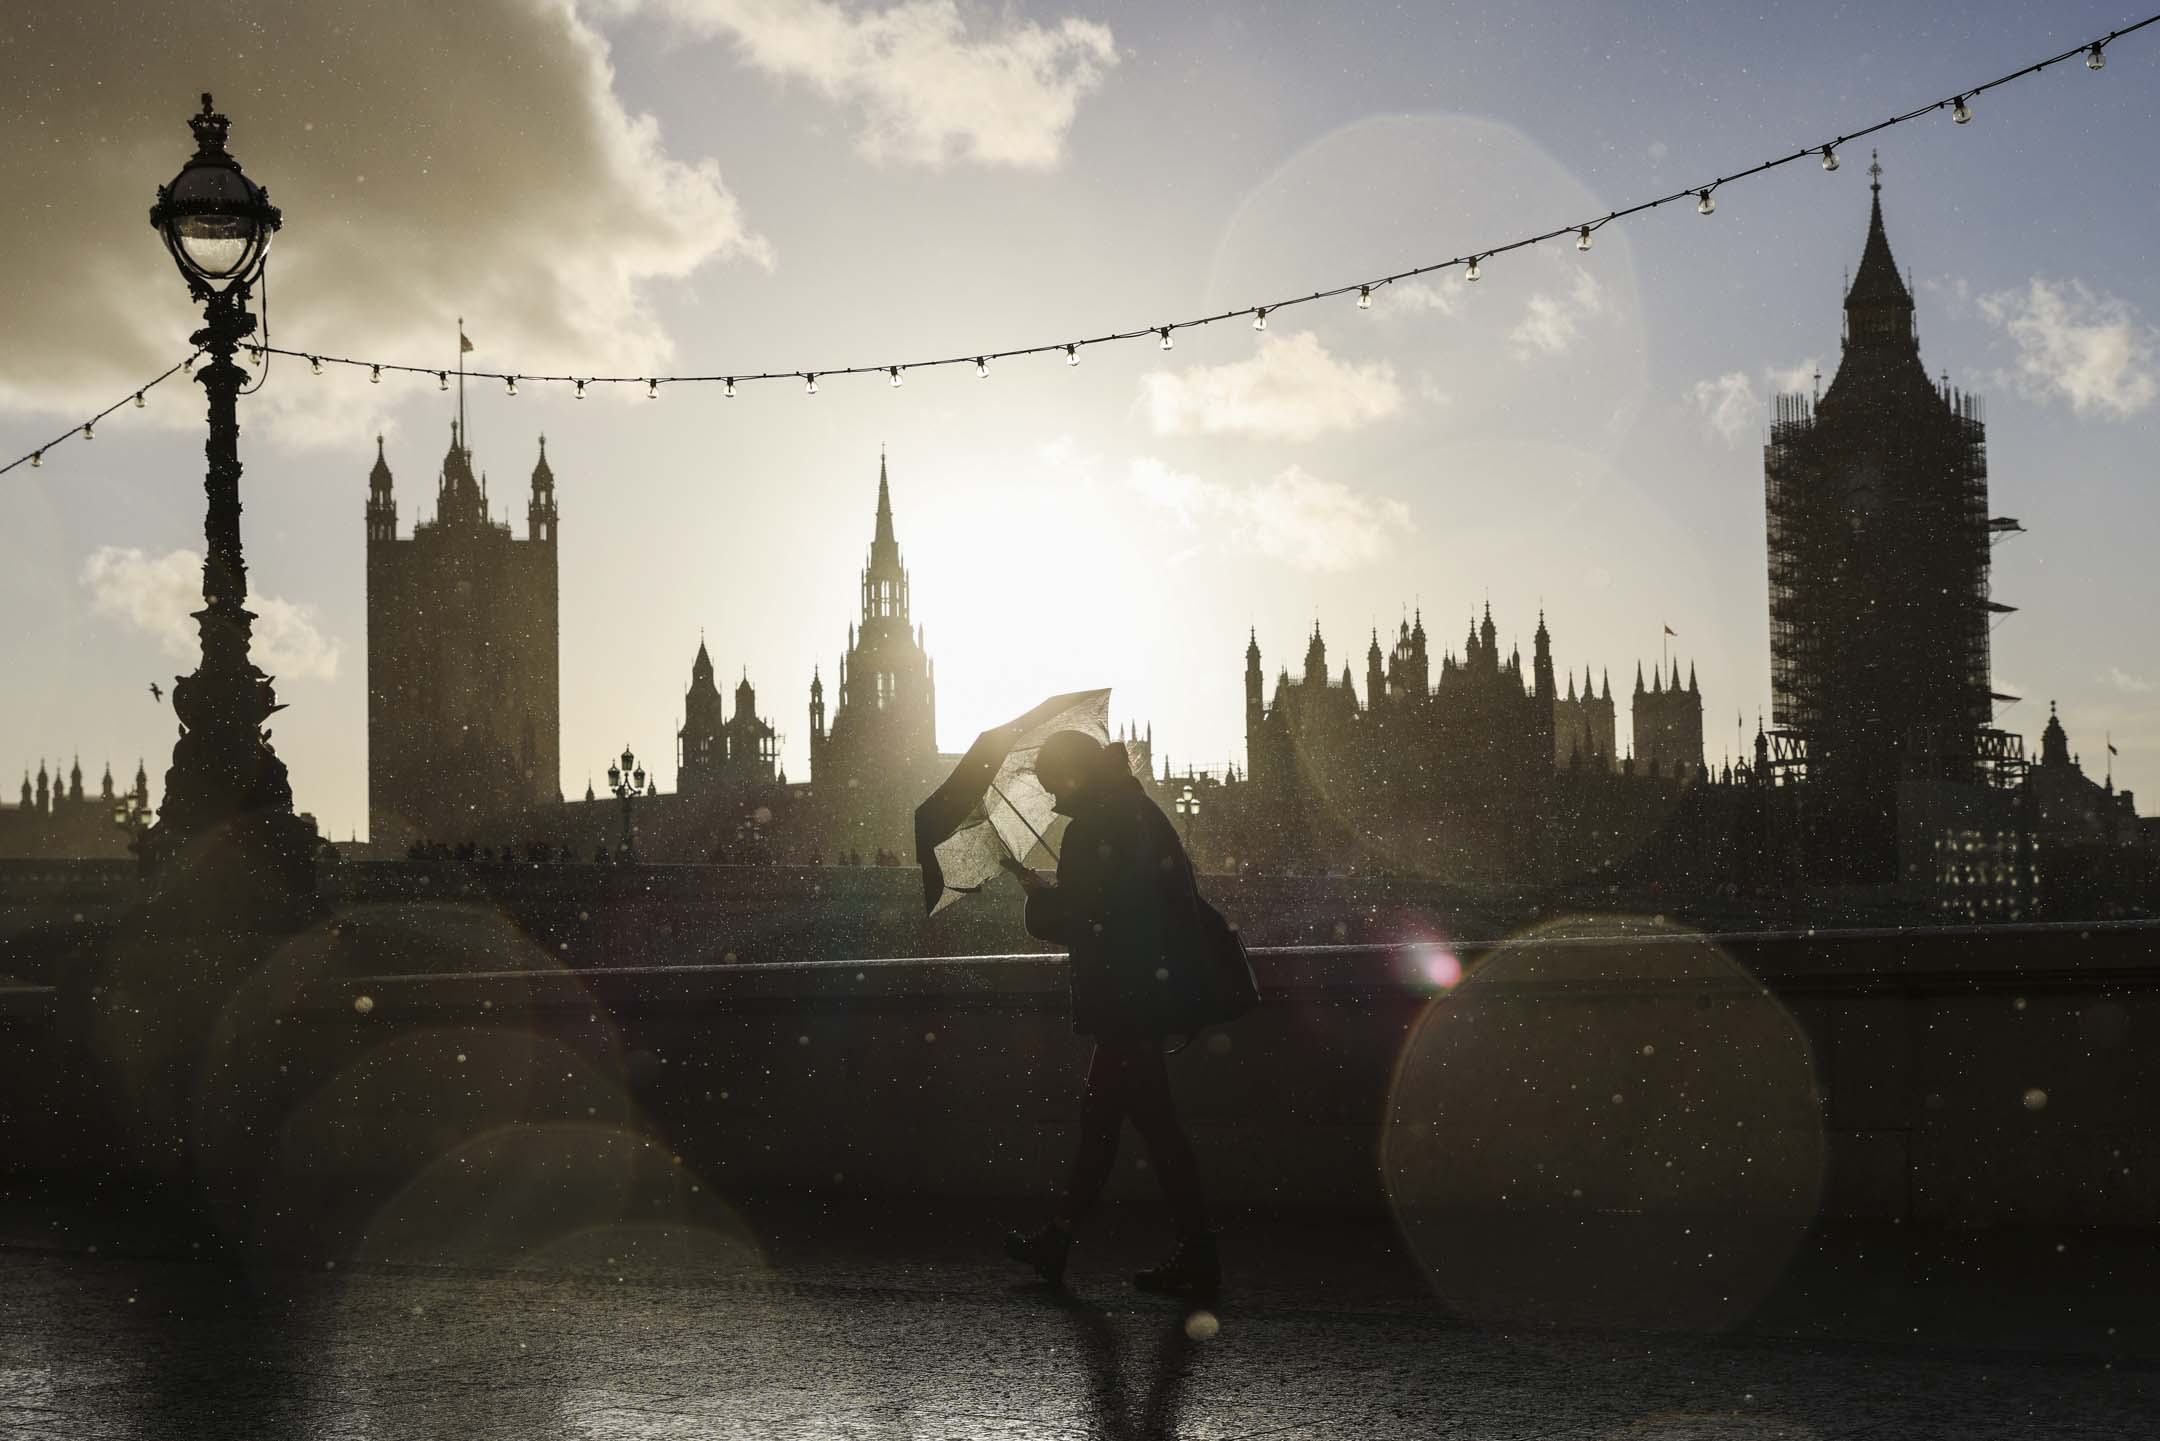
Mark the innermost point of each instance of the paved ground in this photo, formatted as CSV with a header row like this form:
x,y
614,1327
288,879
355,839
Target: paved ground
x,y
804,1322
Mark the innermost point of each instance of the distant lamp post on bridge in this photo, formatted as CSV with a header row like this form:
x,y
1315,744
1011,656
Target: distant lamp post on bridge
x,y
131,812
1188,807
627,780
225,779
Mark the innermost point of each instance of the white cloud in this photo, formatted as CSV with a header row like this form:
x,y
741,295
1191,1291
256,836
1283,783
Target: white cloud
x,y
431,160
1423,295
1791,379
928,89
1552,324
158,595
1736,405
1291,389
1729,404
1295,517
2091,350
2122,680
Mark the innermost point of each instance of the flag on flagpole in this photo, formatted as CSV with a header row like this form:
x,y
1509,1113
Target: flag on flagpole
x,y
2111,749
1671,632
464,346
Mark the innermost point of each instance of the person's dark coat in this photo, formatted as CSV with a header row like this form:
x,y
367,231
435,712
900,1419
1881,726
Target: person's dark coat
x,y
1126,908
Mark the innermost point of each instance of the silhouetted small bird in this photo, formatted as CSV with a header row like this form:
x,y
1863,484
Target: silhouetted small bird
x,y
155,693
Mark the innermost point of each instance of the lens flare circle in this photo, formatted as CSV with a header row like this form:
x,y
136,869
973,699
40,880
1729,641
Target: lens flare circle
x,y
1608,1124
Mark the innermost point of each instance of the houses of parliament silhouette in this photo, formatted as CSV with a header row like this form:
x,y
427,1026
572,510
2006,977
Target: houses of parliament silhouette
x,y
1881,762
463,701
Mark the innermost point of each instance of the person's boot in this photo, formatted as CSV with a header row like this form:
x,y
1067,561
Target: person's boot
x,y
1046,1250
1193,1271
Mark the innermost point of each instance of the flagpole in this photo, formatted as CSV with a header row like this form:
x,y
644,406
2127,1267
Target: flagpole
x,y
462,439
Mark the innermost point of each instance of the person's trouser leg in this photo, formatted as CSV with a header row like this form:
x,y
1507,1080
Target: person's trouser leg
x,y
1102,1112
1153,1111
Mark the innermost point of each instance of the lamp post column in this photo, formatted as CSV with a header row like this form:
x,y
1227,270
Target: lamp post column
x,y
224,776
627,780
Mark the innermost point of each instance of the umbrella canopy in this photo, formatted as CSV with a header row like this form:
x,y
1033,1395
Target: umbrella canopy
x,y
992,806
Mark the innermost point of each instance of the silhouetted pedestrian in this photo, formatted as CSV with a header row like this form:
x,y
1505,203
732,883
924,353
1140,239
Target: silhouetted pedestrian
x,y
1126,908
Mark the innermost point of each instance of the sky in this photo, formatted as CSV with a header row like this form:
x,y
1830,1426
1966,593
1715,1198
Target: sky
x,y
729,186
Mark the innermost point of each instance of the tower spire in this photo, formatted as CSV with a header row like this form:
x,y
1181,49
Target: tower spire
x,y
884,536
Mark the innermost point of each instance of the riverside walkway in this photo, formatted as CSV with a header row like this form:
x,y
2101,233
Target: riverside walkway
x,y
832,1320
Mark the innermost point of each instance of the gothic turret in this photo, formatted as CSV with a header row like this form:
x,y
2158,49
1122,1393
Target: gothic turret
x,y
460,496
1541,659
540,513
701,744
2054,742
381,504
1316,659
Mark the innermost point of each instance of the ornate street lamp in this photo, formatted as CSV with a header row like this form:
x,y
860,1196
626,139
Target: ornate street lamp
x,y
1188,806
627,780
217,225
131,813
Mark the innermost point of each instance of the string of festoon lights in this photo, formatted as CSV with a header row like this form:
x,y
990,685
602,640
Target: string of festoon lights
x,y
1472,264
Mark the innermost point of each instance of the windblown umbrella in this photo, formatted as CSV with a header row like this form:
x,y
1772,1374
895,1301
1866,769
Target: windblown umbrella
x,y
992,806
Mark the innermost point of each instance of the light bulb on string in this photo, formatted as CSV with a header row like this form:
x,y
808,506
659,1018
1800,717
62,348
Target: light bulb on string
x,y
1259,320
1961,112
510,385
1072,355
652,390
187,366
728,389
580,393
1704,205
1364,297
442,380
1472,272
37,460
88,430
1829,157
810,385
1582,238
138,400
375,375
1164,332
315,364
893,374
2096,57
982,368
